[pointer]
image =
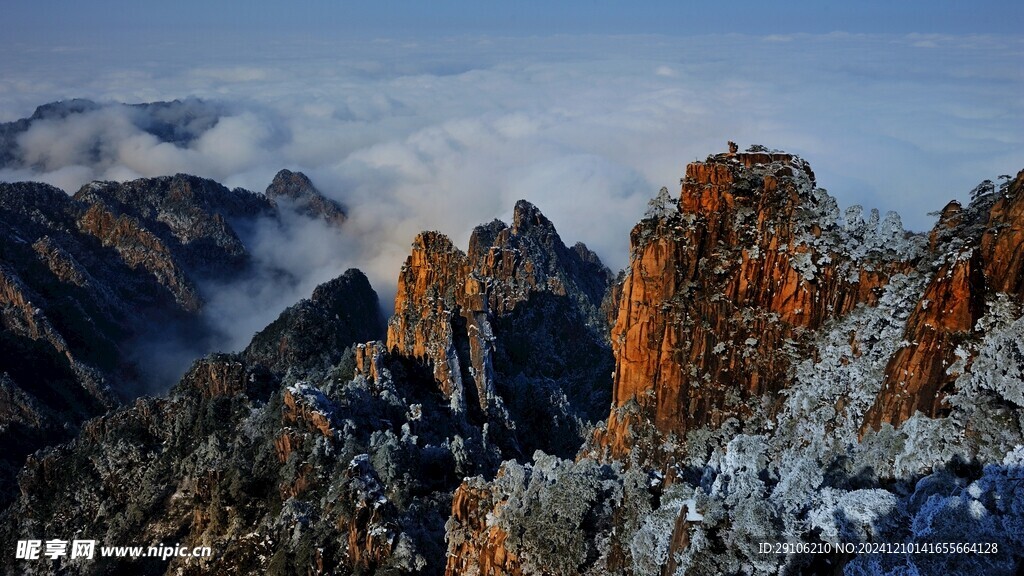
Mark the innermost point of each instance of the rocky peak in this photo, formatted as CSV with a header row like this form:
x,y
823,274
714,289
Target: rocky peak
x,y
428,287
975,254
482,321
296,190
526,215
192,216
314,333
720,294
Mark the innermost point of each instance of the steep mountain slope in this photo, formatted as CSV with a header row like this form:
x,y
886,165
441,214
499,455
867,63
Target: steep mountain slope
x,y
193,218
300,339
512,330
223,458
320,449
91,285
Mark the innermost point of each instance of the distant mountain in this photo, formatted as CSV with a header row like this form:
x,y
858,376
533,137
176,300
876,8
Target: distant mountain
x,y
295,189
178,122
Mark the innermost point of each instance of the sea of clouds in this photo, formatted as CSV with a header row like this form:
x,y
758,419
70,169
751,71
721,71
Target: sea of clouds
x,y
447,133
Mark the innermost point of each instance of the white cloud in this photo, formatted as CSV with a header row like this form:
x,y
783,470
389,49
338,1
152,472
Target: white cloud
x,y
233,74
447,134
236,144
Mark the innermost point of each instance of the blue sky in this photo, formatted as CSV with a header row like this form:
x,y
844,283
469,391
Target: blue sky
x,y
75,18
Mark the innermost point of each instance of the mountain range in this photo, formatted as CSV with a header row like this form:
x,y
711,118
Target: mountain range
x,y
768,369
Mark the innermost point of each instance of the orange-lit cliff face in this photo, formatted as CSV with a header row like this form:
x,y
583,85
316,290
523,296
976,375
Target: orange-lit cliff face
x,y
721,295
428,287
482,550
979,255
724,297
1002,240
517,316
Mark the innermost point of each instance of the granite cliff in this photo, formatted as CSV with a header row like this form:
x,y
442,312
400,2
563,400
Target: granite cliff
x,y
512,329
778,362
723,293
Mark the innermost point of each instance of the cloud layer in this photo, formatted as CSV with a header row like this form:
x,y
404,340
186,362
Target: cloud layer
x,y
448,133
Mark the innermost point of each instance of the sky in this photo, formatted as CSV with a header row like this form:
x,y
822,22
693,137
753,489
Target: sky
x,y
439,116
530,17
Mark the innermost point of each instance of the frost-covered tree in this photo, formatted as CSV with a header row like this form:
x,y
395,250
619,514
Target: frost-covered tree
x,y
661,205
854,220
986,188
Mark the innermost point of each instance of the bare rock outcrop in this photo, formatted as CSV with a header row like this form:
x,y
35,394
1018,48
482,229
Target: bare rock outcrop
x,y
722,294
977,253
298,192
509,326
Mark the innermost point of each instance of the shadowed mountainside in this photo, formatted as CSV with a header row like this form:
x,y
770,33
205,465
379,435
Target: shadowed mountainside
x,y
95,287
